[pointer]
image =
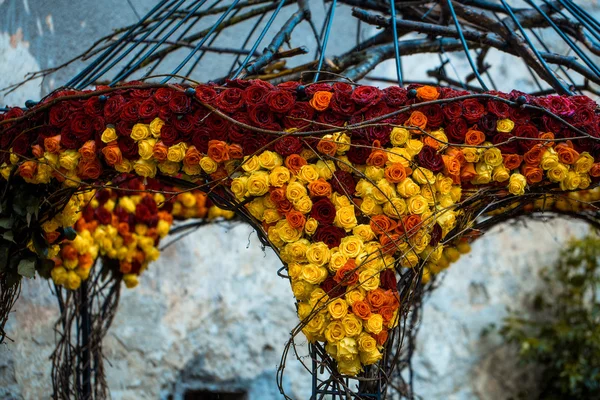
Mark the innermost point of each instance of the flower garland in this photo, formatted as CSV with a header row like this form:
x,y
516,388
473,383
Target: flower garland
x,y
351,185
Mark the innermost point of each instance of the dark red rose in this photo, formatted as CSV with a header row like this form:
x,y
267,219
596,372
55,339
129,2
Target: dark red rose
x,y
149,202
148,110
253,142
342,103
288,145
456,131
93,107
526,132
449,93
102,196
113,107
299,117
583,116
218,126
359,151
330,235
582,101
379,132
387,279
436,235
430,159
434,115
261,115
473,110
238,83
130,111
377,111
520,115
498,108
317,87
128,147
142,213
6,138
395,96
103,215
139,93
332,288
185,126
488,124
165,113
509,146
230,100
367,95
21,145
88,213
179,103
342,87
329,118
452,111
289,86
59,114
98,124
206,93
343,183
169,135
280,101
82,126
68,139
200,139
560,105
123,128
163,95
323,211
255,94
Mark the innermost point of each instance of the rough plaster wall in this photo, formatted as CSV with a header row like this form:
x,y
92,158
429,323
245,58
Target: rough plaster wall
x,y
212,313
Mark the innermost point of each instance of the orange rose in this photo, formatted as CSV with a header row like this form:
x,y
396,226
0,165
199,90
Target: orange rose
x,y
165,216
348,274
123,228
52,144
296,219
219,174
112,154
395,173
160,151
567,154
89,169
547,136
377,298
88,150
409,225
236,152
85,261
381,223
390,242
361,309
418,119
69,253
320,100
512,161
427,93
432,142
377,158
37,151
51,237
294,162
393,299
28,169
326,146
192,157
125,267
534,155
468,173
452,165
532,174
595,171
277,195
474,137
458,154
382,337
320,188
218,151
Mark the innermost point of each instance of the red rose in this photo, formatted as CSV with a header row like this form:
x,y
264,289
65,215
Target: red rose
x,y
552,124
510,147
395,96
380,133
123,128
205,93
21,145
163,95
102,196
313,88
520,115
452,111
367,95
359,151
179,103
261,115
341,103
498,108
457,130
300,116
127,145
93,107
68,139
289,85
185,124
583,101
253,142
82,126
342,88
254,94
330,235
288,145
329,118
103,215
430,159
149,202
59,114
142,213
323,211
527,132
113,107
332,288
488,124
217,126
343,183
169,135
148,110
130,112
583,116
434,115
387,279
473,110
230,100
6,139
436,235
280,101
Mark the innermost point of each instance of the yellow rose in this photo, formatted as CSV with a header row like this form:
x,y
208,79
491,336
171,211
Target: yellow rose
x,y
343,142
318,254
271,215
471,154
369,279
413,146
447,220
500,173
505,125
316,324
352,296
384,191
370,207
308,173
176,153
352,325
303,204
584,163
130,280
408,188
325,169
399,136
585,181
417,204
256,208
364,188
335,332
125,167
296,251
338,308
145,168
69,159
313,274
366,343
549,159
395,208
397,155
374,324
109,135
571,181
558,173
441,137
208,165
73,281
295,191
345,218
238,186
336,261
162,228
301,289
169,167
374,173
279,176
251,164
311,226
140,132
347,350
344,164
155,127
145,148
492,157
286,232
351,246
423,176
319,299
409,260
269,160
371,357
258,183
364,232
351,368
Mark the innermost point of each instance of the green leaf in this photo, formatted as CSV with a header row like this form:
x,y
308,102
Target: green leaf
x,y
4,250
26,267
9,235
6,222
44,268
41,248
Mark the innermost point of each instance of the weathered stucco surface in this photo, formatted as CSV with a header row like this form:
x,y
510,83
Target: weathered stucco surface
x,y
212,312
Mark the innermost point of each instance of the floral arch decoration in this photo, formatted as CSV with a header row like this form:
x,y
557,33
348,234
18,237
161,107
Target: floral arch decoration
x,y
364,194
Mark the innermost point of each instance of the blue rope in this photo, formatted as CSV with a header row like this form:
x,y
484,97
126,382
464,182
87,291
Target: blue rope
x,y
396,46
325,39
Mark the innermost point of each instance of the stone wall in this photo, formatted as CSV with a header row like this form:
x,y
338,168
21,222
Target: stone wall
x,y
212,313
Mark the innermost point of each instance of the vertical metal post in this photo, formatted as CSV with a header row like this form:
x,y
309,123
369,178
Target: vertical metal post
x,y
86,365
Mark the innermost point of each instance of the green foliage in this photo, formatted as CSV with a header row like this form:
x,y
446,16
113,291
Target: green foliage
x,y
563,337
